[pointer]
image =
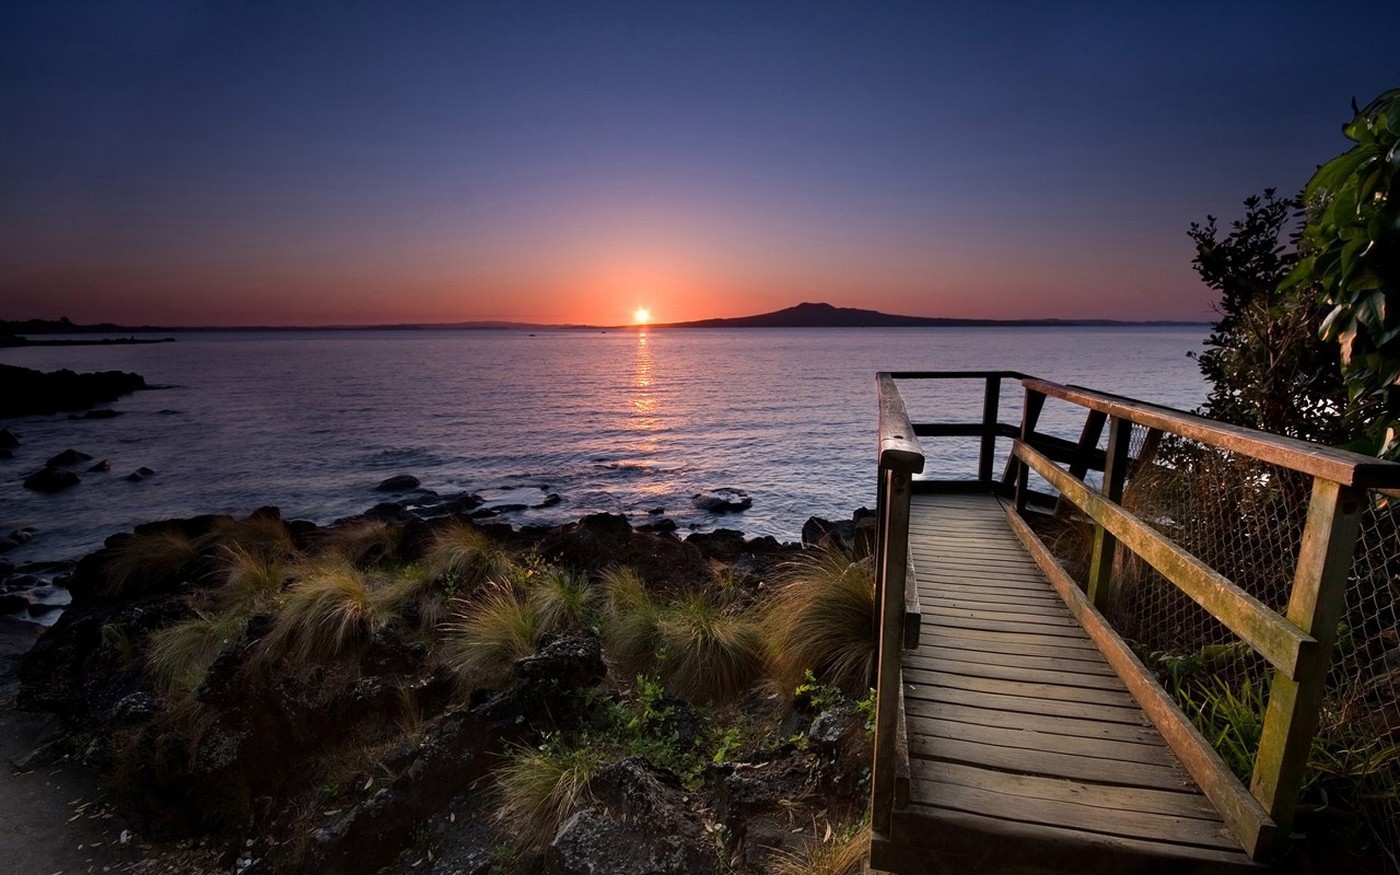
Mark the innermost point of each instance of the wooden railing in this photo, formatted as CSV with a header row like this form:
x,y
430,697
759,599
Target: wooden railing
x,y
1296,643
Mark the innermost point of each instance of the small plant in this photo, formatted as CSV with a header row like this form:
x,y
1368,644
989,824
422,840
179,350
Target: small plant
x,y
327,611
836,855
1229,717
462,555
631,628
143,561
180,654
262,536
540,787
489,633
364,543
708,652
822,619
251,577
562,600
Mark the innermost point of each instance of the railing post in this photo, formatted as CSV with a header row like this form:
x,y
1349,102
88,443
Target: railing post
x,y
1114,475
1030,417
1316,605
889,588
991,400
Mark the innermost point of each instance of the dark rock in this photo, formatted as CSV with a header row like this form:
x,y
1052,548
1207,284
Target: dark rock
x,y
550,500
34,392
834,725
8,438
661,526
51,480
723,500
67,458
140,474
751,801
724,544
16,538
13,603
17,637
641,822
657,511
100,467
6,454
102,413
398,483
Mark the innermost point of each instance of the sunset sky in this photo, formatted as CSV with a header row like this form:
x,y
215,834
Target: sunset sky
x,y
189,163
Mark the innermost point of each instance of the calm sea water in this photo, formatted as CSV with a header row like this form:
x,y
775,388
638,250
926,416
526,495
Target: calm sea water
x,y
619,422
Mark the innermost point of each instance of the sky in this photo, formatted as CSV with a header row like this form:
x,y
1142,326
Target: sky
x,y
315,163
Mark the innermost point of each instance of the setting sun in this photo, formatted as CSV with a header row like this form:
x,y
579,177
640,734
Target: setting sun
x,y
641,316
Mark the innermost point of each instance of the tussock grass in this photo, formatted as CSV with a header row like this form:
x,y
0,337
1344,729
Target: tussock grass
x,y
145,560
328,610
843,855
708,652
563,600
465,557
489,633
822,618
631,628
364,543
266,537
251,576
180,654
540,788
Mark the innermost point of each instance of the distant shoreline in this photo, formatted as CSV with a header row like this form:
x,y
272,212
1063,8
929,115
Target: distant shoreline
x,y
12,342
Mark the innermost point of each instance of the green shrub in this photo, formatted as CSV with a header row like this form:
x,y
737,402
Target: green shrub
x,y
631,629
708,652
562,600
822,618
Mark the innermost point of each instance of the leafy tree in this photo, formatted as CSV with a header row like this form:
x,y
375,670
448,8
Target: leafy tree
x,y
1267,367
1351,248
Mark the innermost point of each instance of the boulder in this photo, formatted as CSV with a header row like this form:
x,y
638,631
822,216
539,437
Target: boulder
x,y
641,822
101,413
726,499
51,480
67,458
100,467
398,483
140,474
8,438
35,392
550,500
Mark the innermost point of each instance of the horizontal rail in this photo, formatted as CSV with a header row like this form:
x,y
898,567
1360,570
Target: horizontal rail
x,y
958,375
1247,819
1342,466
1283,644
964,429
899,447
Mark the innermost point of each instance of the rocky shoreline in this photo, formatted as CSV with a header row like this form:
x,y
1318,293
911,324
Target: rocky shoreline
x,y
336,714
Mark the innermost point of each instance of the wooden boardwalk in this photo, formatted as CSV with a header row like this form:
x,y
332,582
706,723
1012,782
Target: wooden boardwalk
x,y
1026,752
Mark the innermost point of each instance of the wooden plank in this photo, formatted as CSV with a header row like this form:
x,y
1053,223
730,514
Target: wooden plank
x,y
889,606
1166,828
1071,680
1018,738
1283,644
1044,762
967,842
1057,621
1032,631
964,602
899,448
1040,723
1351,469
984,647
920,698
931,654
979,596
913,622
1057,692
953,630
1251,824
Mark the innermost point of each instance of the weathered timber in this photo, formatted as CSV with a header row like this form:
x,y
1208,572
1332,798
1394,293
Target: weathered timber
x,y
1115,473
899,448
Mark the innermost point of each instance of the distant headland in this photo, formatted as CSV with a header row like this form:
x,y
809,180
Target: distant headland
x,y
804,315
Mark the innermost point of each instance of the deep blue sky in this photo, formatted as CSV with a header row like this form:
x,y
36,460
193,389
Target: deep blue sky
x,y
333,163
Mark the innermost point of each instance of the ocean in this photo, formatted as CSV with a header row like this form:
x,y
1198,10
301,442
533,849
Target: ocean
x,y
621,421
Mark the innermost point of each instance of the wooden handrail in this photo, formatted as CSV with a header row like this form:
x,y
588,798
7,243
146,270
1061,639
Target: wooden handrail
x,y
1341,466
899,447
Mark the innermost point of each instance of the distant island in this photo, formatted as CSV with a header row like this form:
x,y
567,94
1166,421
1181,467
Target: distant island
x,y
804,315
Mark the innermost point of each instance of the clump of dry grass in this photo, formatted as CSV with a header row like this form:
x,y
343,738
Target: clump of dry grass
x,y
144,561
365,542
631,628
263,536
562,599
840,855
489,633
540,787
180,654
708,652
331,607
822,618
463,555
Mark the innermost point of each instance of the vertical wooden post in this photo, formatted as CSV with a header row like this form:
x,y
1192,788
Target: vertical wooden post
x,y
1088,442
890,582
1015,468
1316,605
991,400
1114,474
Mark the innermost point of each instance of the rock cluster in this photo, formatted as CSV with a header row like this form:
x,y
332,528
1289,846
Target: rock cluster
x,y
28,392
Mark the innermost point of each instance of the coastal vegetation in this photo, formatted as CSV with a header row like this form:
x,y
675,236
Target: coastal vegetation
x,y
378,692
